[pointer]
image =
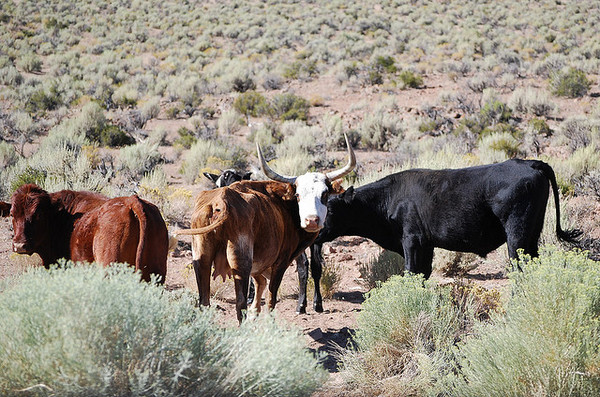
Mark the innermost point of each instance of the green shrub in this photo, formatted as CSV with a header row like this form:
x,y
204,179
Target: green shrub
x,y
289,107
8,155
572,83
547,342
382,267
186,138
385,63
28,175
250,103
405,335
44,99
301,69
91,330
540,127
410,79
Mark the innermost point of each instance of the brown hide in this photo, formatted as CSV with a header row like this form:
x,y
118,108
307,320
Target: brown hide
x,y
85,226
257,234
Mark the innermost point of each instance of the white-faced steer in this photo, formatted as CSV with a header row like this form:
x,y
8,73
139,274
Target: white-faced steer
x,y
256,228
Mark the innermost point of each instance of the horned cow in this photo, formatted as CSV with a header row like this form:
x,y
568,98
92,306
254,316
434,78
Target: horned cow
x,y
256,228
473,209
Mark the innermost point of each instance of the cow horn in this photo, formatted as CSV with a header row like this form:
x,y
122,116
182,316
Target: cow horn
x,y
269,172
333,175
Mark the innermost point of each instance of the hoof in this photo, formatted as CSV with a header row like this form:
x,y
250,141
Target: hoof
x,y
318,308
301,310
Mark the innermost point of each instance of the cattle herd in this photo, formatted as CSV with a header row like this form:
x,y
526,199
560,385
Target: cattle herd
x,y
249,229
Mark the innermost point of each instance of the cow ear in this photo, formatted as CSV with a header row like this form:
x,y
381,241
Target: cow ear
x,y
336,187
348,195
210,176
4,209
247,176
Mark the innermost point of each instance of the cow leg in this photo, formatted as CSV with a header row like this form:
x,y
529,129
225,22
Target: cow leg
x,y
202,258
418,259
239,256
276,277
202,271
302,266
261,285
316,269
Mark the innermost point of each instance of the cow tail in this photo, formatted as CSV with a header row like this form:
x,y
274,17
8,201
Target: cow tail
x,y
565,235
138,210
202,230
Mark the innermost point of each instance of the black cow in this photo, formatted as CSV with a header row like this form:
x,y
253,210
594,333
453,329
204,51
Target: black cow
x,y
473,209
227,177
230,176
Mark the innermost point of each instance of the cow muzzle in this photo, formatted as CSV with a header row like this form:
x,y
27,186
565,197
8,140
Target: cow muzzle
x,y
311,224
20,248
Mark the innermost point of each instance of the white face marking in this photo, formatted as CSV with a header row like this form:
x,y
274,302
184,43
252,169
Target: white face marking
x,y
310,188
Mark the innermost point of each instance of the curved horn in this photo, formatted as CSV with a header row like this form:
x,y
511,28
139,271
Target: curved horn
x,y
333,175
269,172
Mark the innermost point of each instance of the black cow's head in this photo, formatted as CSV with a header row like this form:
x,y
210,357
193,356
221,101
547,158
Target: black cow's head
x,y
227,177
31,218
340,216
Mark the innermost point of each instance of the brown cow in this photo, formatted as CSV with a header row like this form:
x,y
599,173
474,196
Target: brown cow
x,y
256,228
86,226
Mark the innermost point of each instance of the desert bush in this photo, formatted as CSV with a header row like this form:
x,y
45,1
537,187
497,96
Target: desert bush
x,y
579,132
380,130
289,107
204,154
528,100
229,122
500,146
99,331
139,159
572,83
453,263
186,138
8,155
330,279
546,343
250,103
333,131
410,80
10,76
405,334
381,267
30,63
125,96
150,109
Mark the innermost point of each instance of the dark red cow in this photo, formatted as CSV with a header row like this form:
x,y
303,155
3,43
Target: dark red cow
x,y
86,226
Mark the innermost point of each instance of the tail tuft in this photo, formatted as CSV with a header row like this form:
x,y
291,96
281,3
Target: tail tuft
x,y
569,236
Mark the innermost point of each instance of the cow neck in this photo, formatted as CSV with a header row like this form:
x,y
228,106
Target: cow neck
x,y
62,224
372,221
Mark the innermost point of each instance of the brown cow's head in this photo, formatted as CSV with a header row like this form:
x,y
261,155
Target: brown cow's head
x,y
30,210
312,189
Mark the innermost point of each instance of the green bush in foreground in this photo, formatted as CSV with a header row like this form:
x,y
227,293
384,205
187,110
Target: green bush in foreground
x,y
547,343
94,331
416,338
406,331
